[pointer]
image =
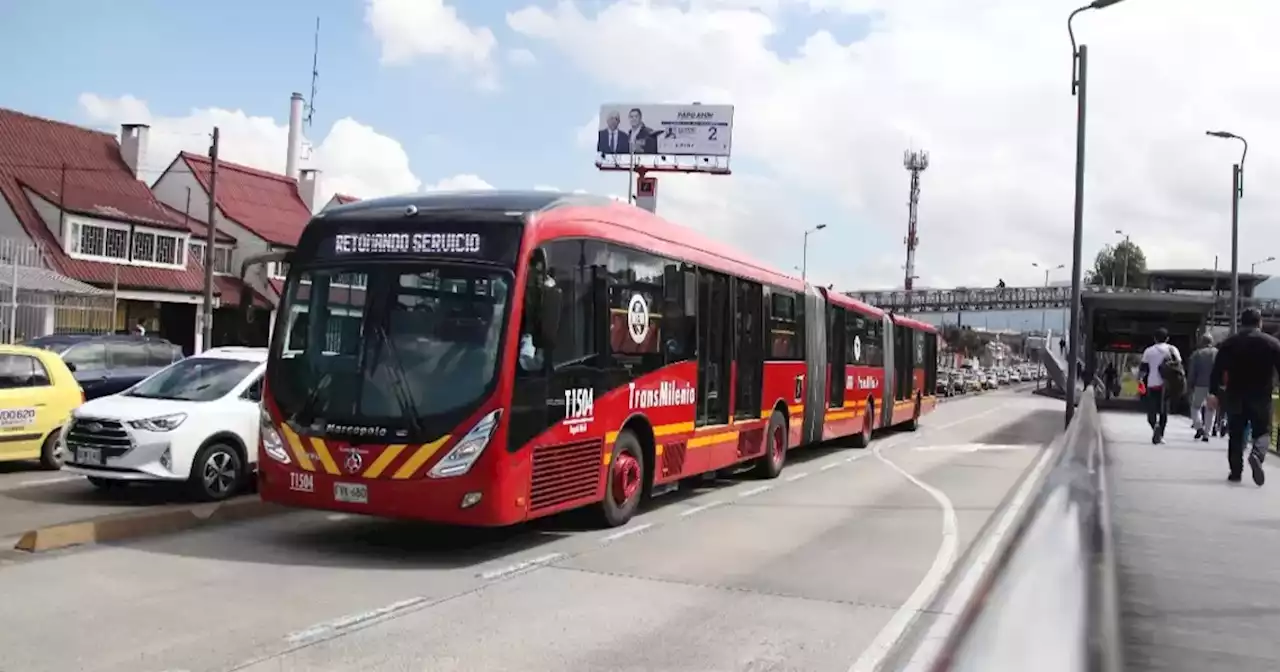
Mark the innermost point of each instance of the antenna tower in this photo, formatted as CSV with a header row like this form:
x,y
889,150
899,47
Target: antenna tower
x,y
915,162
315,75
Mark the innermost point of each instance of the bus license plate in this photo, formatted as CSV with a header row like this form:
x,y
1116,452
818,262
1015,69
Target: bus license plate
x,y
353,493
88,456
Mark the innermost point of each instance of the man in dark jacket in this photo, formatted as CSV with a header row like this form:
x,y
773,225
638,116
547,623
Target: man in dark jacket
x,y
1249,360
1199,367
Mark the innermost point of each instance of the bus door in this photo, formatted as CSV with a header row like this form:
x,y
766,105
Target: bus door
x,y
836,341
903,375
714,356
748,351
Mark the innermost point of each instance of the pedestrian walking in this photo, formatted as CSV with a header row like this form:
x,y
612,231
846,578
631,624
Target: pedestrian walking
x,y
1165,379
1199,370
1248,361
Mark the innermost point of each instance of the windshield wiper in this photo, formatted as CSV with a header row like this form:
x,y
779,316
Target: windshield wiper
x,y
399,385
306,410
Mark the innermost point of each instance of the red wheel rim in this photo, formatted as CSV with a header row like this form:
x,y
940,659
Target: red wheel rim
x,y
626,478
779,444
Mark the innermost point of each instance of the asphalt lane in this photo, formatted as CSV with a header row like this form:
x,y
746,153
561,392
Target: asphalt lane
x,y
813,571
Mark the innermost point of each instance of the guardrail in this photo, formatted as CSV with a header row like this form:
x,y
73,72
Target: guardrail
x,y
1049,601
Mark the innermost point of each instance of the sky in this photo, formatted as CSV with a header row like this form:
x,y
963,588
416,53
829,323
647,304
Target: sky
x,y
828,94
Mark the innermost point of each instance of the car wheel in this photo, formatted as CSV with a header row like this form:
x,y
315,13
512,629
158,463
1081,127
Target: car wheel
x,y
50,457
217,473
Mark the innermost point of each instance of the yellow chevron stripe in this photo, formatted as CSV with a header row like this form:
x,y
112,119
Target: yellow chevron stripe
x,y
389,455
299,451
419,458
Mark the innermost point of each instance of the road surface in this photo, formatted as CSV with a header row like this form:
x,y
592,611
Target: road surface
x,y
820,569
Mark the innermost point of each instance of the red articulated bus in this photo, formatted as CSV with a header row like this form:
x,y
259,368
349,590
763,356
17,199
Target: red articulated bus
x,y
492,357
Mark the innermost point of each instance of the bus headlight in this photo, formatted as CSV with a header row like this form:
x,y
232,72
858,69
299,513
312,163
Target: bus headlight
x,y
468,450
272,444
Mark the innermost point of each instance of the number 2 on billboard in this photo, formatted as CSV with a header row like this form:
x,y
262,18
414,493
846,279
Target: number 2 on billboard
x,y
711,133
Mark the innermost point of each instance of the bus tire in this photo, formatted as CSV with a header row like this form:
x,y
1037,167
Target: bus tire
x,y
624,482
914,423
776,442
863,439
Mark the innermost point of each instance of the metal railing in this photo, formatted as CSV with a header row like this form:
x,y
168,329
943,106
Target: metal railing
x,y
37,301
1048,601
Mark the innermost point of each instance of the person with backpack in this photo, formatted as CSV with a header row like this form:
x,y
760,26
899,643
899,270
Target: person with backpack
x,y
1247,362
1165,379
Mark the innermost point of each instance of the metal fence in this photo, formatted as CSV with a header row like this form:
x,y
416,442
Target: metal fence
x,y
37,301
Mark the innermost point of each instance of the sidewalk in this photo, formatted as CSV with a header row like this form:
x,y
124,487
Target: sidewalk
x,y
1199,558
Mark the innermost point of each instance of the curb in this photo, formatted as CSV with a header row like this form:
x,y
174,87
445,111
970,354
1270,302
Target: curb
x,y
134,525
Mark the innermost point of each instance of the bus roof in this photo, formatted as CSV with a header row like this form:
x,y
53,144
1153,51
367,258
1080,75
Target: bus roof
x,y
850,303
914,324
560,215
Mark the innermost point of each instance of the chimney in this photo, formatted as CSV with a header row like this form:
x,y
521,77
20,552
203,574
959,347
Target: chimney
x,y
295,136
308,187
133,146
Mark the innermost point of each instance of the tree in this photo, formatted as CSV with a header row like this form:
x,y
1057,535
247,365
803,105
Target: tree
x,y
1120,265
964,340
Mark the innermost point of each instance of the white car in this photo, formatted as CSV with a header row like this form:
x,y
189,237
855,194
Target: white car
x,y
194,421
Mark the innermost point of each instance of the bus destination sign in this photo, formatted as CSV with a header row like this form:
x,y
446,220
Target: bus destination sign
x,y
469,244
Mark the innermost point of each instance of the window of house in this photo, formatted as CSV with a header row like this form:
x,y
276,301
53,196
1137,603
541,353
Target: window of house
x,y
156,248
221,257
279,270
95,240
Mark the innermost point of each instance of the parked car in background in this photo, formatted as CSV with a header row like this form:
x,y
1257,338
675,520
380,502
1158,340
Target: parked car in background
x,y
195,421
106,364
37,395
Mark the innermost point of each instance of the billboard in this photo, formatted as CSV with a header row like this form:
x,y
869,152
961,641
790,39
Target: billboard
x,y
664,130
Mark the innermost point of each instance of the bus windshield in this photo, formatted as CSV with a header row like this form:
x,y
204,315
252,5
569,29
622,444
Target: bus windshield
x,y
403,347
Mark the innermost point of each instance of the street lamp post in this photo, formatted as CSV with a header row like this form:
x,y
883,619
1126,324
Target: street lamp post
x,y
1125,265
1254,266
804,263
1237,192
1044,313
1079,88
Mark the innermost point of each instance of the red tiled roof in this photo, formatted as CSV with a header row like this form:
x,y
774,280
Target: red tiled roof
x,y
197,227
228,287
33,152
344,199
264,203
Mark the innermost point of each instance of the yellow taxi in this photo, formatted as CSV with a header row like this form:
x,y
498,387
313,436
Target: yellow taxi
x,y
37,394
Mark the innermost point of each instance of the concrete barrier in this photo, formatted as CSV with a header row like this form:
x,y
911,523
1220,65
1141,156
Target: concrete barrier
x,y
144,523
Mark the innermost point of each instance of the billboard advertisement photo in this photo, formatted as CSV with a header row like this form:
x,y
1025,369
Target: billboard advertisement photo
x,y
664,130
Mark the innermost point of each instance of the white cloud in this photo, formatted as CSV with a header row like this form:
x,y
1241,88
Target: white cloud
x,y
984,87
354,158
460,183
409,29
521,57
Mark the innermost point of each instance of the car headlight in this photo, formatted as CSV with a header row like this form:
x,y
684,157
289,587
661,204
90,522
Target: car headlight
x,y
164,423
468,450
272,444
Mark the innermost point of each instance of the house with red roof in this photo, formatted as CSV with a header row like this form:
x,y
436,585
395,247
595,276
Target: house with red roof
x,y
257,212
338,199
77,195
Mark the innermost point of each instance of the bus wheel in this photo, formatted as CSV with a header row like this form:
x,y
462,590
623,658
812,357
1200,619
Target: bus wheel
x,y
624,484
914,423
770,464
863,439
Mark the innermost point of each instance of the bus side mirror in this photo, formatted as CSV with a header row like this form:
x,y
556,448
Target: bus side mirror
x,y
548,317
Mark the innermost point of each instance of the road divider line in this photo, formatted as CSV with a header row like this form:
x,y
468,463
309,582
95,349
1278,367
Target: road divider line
x,y
36,482
940,630
337,625
700,508
943,562
521,566
833,465
854,458
146,523
795,477
755,491
626,532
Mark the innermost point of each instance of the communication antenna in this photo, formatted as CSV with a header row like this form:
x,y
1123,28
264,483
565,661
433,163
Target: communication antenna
x,y
315,74
915,162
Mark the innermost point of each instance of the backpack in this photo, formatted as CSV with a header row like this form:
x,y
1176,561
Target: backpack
x,y
1174,375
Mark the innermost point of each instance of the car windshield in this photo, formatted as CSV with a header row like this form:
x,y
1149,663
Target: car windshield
x,y
194,379
399,346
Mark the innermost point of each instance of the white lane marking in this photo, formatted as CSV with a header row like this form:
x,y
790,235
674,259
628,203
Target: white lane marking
x,y
346,622
634,529
336,517
48,481
972,448
755,491
924,656
701,508
521,566
874,655
854,458
829,467
795,477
